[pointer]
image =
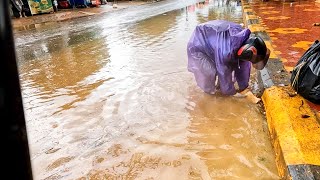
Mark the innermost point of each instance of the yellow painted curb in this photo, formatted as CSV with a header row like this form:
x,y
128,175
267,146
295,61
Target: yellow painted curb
x,y
269,45
293,126
296,140
256,27
251,17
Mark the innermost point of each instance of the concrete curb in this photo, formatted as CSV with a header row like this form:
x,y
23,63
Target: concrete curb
x,y
293,126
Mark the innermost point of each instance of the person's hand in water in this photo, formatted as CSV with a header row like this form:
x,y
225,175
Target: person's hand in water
x,y
239,95
242,93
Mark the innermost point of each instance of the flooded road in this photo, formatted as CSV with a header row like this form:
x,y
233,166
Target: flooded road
x,y
110,97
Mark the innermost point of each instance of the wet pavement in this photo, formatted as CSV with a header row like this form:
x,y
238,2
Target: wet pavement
x,y
110,97
67,14
290,24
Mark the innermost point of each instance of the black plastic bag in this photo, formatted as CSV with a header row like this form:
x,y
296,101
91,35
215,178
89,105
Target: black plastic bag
x,y
305,78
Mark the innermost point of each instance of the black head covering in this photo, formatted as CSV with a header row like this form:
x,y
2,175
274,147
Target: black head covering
x,y
255,51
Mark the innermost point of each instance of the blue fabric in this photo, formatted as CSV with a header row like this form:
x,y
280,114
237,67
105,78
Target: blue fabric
x,y
211,55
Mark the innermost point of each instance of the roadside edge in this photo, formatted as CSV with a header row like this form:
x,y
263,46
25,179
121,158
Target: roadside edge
x,y
293,126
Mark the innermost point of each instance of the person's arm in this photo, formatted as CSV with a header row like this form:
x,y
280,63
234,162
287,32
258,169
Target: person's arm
x,y
242,74
225,79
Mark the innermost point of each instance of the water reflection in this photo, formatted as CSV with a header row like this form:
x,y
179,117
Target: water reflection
x,y
147,27
59,69
226,131
208,10
116,101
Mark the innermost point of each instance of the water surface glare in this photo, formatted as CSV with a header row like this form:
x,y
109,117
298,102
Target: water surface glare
x,y
111,98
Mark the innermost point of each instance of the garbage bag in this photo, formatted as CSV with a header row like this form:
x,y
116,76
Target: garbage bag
x,y
211,56
305,78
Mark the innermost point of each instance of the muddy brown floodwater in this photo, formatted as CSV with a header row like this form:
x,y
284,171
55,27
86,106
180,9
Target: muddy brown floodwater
x,y
110,97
